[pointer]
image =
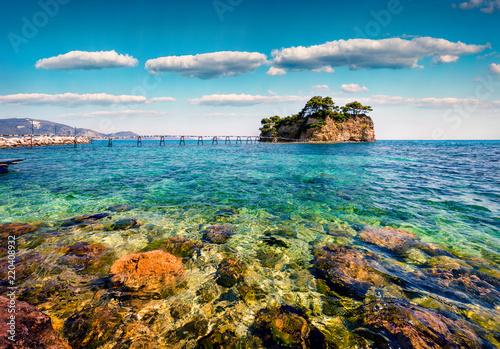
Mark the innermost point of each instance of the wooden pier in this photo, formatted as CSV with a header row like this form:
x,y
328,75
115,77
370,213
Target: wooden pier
x,y
4,164
200,140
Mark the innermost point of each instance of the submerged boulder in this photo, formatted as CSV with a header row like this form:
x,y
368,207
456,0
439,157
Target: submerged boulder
x,y
85,256
120,208
218,339
217,234
84,220
180,247
16,229
398,241
347,270
390,238
33,329
124,224
148,271
25,265
287,327
401,324
93,327
229,272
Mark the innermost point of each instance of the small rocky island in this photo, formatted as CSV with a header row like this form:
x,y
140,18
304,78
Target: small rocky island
x,y
321,121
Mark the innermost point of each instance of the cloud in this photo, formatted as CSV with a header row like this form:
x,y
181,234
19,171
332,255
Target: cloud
x,y
445,59
491,54
87,61
161,99
353,88
208,65
392,53
243,100
275,71
486,6
429,103
75,100
494,69
141,113
324,69
320,88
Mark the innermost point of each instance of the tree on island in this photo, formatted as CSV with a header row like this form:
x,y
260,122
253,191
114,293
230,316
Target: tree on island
x,y
355,109
318,108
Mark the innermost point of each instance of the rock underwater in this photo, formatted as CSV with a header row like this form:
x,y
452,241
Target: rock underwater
x,y
33,329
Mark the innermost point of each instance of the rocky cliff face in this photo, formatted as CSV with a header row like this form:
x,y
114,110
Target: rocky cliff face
x,y
354,129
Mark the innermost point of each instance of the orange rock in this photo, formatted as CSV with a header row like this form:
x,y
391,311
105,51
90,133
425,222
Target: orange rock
x,y
388,237
148,271
17,229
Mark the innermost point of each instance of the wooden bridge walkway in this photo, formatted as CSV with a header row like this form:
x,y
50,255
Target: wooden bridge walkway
x,y
200,140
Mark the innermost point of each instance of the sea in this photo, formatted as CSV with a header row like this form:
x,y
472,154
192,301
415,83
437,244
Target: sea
x,y
446,193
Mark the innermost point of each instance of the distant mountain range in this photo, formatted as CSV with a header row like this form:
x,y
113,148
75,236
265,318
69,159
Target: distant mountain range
x,y
18,126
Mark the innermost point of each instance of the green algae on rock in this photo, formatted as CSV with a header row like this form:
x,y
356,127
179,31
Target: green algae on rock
x,y
178,246
286,327
229,272
87,257
124,224
217,234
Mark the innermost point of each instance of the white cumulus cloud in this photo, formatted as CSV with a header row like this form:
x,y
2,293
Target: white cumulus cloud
x,y
87,61
161,99
353,88
208,65
243,100
391,53
320,88
445,59
75,100
486,6
494,69
275,71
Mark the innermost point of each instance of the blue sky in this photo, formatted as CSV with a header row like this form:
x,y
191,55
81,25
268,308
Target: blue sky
x,y
429,69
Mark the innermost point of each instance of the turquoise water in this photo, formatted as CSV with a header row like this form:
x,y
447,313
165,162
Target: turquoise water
x,y
446,193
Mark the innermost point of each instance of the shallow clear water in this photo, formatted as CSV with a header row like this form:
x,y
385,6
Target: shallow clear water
x,y
444,192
